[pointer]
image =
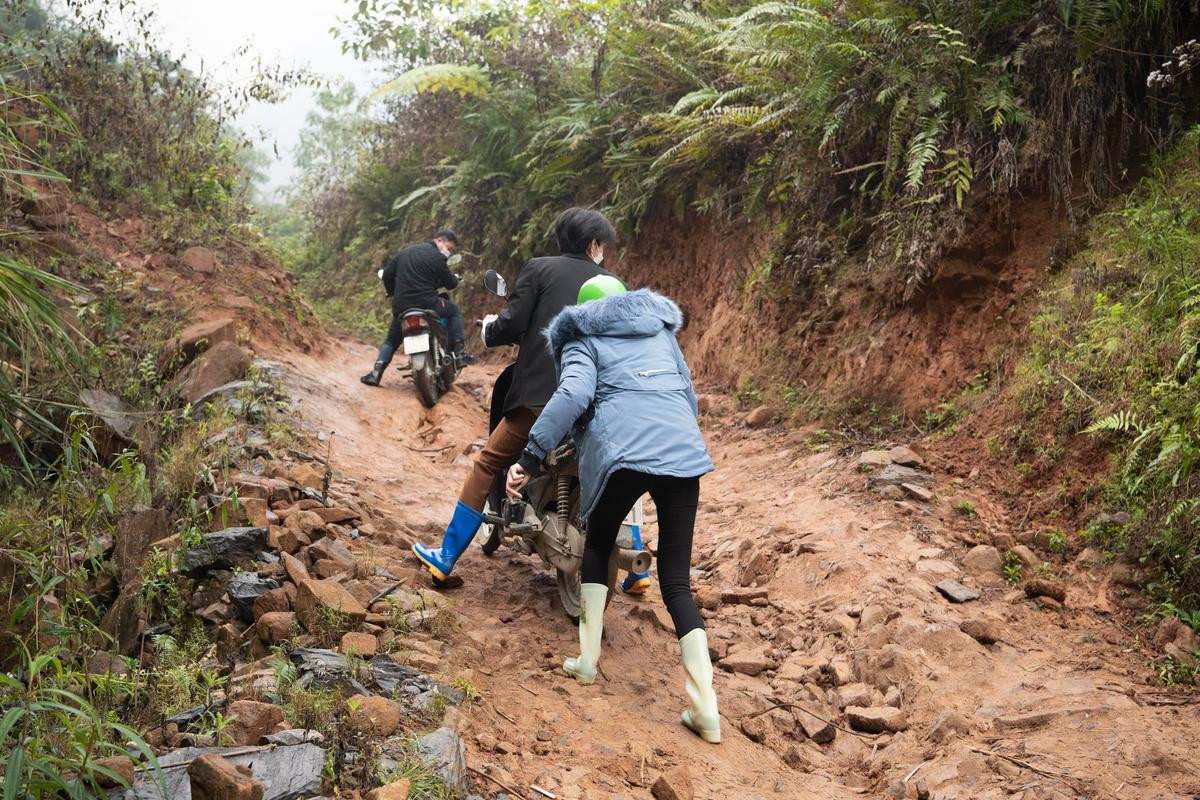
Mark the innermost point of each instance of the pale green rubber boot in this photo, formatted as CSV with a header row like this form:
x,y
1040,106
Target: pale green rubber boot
x,y
592,597
702,717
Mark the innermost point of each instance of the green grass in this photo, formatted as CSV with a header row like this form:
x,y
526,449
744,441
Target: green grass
x,y
1172,672
425,783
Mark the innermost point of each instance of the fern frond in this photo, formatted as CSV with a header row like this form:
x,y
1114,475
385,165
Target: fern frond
x,y
465,79
693,100
1123,422
921,151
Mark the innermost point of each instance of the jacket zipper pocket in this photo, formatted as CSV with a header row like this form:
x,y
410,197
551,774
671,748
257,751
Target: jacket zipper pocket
x,y
650,373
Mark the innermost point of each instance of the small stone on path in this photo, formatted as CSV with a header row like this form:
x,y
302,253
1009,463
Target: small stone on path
x,y
881,719
214,778
955,592
760,417
675,784
905,457
874,458
984,631
919,492
1039,587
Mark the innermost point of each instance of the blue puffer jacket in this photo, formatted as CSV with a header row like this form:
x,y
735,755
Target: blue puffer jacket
x,y
626,391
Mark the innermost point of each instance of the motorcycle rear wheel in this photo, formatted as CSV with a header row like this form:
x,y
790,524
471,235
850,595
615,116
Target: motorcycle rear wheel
x,y
491,540
425,380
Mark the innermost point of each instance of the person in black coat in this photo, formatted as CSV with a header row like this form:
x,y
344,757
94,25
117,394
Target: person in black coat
x,y
545,286
412,279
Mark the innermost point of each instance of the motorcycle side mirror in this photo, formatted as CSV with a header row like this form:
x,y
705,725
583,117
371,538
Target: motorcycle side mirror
x,y
495,283
454,260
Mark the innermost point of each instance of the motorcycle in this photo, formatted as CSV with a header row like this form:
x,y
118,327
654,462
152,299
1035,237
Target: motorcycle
x,y
430,363
546,521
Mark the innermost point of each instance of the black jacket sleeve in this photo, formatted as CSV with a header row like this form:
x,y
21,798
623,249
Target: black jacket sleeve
x,y
513,322
448,279
435,264
389,277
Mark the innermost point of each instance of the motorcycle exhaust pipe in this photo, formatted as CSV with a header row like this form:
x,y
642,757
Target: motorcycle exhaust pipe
x,y
636,561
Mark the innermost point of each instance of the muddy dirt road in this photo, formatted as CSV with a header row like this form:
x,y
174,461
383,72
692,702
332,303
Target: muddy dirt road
x,y
819,597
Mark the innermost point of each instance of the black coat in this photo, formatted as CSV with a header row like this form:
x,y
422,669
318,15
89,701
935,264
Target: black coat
x,y
545,286
413,276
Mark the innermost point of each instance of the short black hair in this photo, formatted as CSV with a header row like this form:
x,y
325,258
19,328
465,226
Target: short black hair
x,y
576,228
448,235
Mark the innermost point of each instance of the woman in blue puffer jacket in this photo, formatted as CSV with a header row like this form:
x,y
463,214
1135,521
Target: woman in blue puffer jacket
x,y
626,392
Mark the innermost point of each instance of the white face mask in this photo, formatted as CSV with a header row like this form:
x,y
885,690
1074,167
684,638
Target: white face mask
x,y
598,255
445,251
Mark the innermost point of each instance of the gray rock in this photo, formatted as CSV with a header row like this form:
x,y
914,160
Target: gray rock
x,y
287,773
293,737
119,423
223,550
119,417
896,475
955,592
327,669
443,750
246,587
185,718
234,389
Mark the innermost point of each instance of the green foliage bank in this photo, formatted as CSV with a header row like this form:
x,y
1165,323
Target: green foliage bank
x,y
1115,352
861,129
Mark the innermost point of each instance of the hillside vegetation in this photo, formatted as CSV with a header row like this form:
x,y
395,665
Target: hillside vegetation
x,y
115,163
865,131
798,172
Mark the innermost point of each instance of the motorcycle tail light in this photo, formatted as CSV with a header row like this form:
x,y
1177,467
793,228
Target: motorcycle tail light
x,y
414,323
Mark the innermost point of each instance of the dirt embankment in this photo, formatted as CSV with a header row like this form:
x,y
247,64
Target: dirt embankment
x,y
850,337
183,278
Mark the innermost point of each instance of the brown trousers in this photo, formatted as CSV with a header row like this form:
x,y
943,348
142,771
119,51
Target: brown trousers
x,y
502,450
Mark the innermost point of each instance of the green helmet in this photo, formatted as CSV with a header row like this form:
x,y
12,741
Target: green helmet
x,y
600,286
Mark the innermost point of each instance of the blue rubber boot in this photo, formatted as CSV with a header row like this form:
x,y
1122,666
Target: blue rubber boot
x,y
459,533
636,583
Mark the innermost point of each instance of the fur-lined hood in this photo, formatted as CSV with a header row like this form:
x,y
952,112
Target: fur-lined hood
x,y
633,314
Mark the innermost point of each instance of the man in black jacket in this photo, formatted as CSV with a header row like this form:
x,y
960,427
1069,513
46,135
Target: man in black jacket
x,y
412,278
544,287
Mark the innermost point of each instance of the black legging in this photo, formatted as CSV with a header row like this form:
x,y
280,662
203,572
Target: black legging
x,y
675,499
